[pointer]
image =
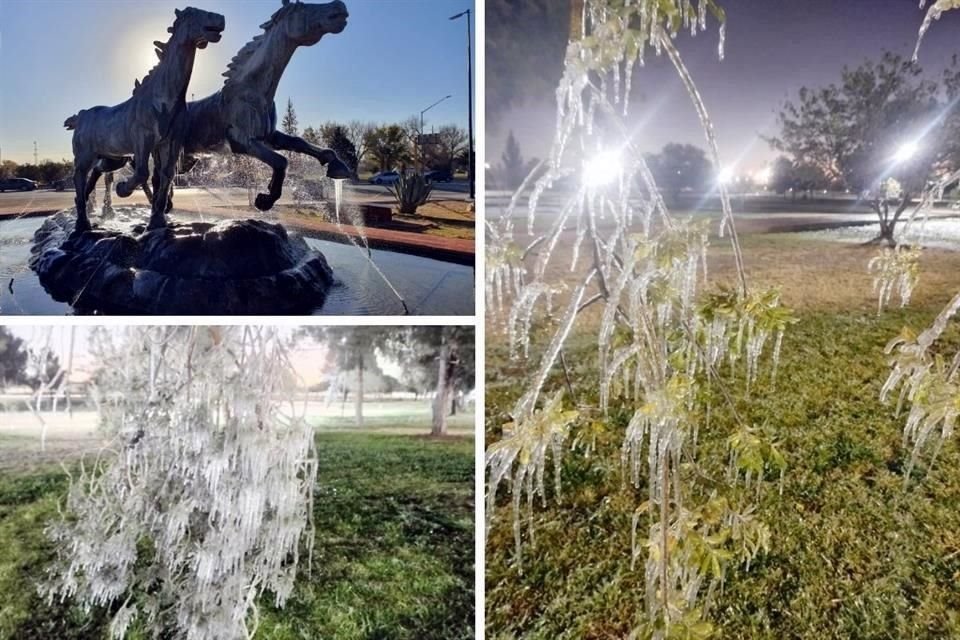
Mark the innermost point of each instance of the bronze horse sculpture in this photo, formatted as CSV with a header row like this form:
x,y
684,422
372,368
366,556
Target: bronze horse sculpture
x,y
242,116
151,122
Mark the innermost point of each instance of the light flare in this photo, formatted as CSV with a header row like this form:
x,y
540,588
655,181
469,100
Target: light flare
x,y
602,169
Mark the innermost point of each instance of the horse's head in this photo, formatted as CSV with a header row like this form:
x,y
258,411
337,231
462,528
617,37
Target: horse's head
x,y
306,23
198,26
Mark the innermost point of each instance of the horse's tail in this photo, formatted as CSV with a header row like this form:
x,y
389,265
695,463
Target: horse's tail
x,y
71,122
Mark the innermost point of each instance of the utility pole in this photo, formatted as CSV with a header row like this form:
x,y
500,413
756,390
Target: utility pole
x,y
470,161
36,161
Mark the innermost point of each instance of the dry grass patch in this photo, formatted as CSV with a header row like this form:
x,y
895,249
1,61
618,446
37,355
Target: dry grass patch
x,y
816,275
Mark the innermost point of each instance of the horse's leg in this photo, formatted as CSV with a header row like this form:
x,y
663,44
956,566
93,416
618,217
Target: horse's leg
x,y
81,166
164,167
155,181
336,168
141,168
260,151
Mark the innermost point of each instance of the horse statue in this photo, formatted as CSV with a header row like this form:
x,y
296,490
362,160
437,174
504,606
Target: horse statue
x,y
149,123
242,115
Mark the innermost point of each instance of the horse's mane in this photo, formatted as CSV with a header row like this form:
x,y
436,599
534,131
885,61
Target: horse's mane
x,y
161,51
251,47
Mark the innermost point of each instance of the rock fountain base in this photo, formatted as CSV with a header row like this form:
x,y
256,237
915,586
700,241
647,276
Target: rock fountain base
x,y
237,267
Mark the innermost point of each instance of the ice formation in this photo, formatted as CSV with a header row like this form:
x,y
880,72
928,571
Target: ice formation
x,y
661,338
202,500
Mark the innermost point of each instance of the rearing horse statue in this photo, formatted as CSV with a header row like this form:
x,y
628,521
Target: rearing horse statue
x,y
242,114
146,124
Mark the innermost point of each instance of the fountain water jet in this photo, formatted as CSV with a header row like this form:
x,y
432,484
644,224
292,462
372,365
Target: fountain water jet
x,y
338,199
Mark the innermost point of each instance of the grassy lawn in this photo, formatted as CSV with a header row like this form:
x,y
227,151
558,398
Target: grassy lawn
x,y
393,558
853,555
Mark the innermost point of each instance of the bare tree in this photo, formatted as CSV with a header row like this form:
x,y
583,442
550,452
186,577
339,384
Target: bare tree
x,y
452,140
359,132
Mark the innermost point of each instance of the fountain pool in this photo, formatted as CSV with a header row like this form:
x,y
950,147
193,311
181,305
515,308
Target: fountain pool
x,y
429,287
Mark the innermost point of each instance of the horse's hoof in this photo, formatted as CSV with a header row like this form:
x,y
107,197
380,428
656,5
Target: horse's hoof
x,y
263,201
123,190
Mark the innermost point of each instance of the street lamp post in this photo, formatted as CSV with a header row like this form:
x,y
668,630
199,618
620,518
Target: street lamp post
x,y
469,102
420,142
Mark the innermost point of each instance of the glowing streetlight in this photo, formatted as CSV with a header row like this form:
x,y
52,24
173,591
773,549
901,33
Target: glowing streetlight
x,y
725,175
906,151
601,169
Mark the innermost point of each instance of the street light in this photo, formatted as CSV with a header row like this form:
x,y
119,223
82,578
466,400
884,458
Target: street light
x,y
906,151
602,169
420,142
763,176
469,100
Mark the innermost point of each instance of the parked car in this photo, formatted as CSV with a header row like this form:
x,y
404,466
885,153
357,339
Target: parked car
x,y
385,177
17,184
438,175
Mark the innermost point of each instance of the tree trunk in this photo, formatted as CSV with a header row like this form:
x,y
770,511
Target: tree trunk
x,y
888,224
441,399
886,234
358,396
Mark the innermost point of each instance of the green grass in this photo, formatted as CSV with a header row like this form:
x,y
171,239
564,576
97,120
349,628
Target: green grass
x,y
393,556
854,555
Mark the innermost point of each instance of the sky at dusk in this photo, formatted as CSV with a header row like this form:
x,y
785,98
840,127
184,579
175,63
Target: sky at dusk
x,y
395,58
773,47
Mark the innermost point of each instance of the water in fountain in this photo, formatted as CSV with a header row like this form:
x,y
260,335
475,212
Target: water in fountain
x,y
217,189
338,191
305,184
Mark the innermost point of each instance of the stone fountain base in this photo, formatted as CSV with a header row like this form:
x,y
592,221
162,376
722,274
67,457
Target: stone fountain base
x,y
236,267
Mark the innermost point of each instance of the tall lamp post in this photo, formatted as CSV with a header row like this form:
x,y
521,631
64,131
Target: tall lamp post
x,y
420,142
469,102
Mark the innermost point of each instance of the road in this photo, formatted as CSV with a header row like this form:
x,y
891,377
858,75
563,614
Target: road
x,y
752,215
19,202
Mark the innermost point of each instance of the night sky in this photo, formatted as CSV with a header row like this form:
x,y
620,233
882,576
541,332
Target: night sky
x,y
773,48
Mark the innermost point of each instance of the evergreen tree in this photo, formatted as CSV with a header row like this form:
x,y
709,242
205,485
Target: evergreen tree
x,y
513,168
338,139
289,123
13,358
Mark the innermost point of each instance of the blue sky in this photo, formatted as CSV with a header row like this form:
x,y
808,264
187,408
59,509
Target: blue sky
x,y
395,58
